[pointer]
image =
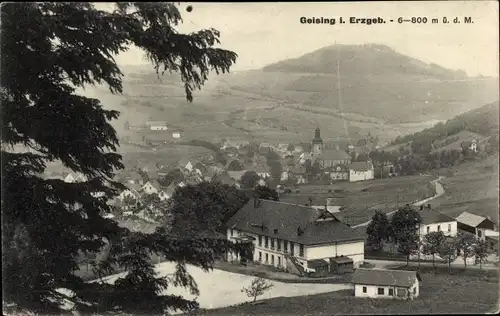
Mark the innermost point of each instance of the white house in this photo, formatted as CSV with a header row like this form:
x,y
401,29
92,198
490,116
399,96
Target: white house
x,y
129,192
176,134
186,164
378,283
151,187
290,235
434,221
163,195
157,125
79,177
339,172
361,171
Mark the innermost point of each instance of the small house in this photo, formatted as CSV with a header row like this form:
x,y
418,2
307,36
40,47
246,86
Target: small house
x,y
379,283
361,171
341,265
434,221
157,125
475,224
151,187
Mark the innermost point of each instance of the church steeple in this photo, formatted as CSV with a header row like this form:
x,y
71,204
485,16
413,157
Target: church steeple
x,y
317,142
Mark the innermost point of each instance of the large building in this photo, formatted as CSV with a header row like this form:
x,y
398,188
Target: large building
x,y
327,157
293,237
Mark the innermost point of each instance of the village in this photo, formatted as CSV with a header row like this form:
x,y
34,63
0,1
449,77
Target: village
x,y
311,240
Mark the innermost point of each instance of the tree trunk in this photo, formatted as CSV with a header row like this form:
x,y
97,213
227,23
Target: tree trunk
x,y
255,298
407,260
465,261
449,265
433,263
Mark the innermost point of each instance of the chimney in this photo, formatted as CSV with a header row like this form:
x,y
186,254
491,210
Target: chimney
x,y
255,202
429,206
299,231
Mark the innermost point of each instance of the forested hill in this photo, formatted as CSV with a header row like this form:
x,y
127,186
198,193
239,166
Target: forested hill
x,y
482,121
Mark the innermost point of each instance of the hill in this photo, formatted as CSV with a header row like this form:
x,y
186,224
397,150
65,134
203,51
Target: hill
x,y
478,124
383,93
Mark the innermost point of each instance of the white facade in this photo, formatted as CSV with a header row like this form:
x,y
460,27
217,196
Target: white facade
x,y
448,228
149,188
163,196
128,193
384,291
159,127
361,175
275,252
176,135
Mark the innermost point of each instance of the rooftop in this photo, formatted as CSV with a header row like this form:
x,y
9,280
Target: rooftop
x,y
430,216
385,277
361,166
333,154
283,220
470,219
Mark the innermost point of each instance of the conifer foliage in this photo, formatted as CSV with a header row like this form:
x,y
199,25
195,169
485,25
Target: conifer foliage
x,y
48,49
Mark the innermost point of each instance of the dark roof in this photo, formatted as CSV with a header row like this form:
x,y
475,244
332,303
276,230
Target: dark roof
x,y
316,263
384,277
332,154
342,260
361,150
430,216
361,166
287,219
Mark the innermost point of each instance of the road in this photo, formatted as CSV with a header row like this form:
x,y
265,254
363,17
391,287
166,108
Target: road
x,y
439,192
383,264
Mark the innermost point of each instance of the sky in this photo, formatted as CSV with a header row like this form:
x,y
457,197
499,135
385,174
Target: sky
x,y
263,33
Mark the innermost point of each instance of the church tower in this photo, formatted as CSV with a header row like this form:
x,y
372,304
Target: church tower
x,y
317,143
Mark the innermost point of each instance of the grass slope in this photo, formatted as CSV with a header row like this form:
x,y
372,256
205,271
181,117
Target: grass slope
x,y
439,294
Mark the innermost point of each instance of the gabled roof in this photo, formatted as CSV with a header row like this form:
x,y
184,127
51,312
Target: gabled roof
x,y
361,166
332,154
470,219
430,216
385,277
287,219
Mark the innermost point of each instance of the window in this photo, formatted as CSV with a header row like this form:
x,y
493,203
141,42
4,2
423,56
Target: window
x,y
279,261
364,289
231,233
414,290
439,228
260,241
449,228
272,259
478,233
266,242
391,292
285,246
292,252
380,291
272,243
260,256
301,250
267,257
428,229
278,244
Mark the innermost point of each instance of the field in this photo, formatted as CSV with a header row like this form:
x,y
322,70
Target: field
x,y
360,199
439,294
471,187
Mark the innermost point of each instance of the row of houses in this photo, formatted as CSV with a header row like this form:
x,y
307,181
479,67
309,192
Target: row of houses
x,y
314,241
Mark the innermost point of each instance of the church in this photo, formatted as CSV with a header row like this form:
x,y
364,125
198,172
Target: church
x,y
327,157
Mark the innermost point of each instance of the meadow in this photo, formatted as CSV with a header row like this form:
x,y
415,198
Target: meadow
x,y
361,199
471,187
439,294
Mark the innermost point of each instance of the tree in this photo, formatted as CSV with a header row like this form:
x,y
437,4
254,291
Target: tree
x,y
59,48
172,176
432,243
481,252
249,180
235,165
266,193
404,225
448,251
258,287
204,208
378,229
465,246
291,147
